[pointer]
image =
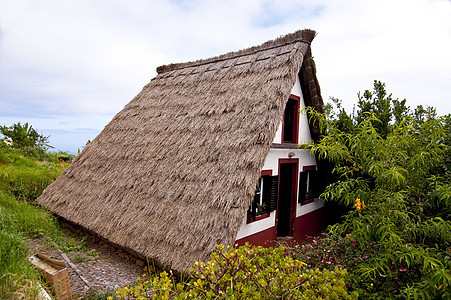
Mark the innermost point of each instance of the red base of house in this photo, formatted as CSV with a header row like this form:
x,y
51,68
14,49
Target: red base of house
x,y
263,238
307,225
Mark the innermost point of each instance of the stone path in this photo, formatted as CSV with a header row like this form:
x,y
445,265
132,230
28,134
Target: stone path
x,y
105,271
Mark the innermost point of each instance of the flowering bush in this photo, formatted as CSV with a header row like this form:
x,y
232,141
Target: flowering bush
x,y
330,251
396,242
245,273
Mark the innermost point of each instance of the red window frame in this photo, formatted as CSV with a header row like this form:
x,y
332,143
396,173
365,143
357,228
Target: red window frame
x,y
263,216
294,115
306,169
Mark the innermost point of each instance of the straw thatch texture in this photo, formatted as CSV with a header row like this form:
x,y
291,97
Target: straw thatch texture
x,y
174,172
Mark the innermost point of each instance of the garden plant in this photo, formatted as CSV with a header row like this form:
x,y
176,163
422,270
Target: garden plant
x,y
245,273
393,173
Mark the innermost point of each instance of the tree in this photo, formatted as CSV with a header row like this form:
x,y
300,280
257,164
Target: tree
x,y
394,175
377,102
25,136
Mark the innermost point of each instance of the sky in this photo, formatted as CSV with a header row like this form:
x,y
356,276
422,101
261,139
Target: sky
x,y
68,66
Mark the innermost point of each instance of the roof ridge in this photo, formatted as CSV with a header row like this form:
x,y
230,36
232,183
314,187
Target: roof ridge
x,y
305,36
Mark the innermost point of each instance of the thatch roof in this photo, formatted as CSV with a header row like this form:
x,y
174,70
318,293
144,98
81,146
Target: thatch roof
x,y
174,172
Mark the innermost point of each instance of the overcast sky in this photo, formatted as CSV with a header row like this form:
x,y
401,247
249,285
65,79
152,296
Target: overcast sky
x,y
68,66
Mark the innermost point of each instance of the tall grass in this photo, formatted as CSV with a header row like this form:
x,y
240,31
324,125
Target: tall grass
x,y
18,221
26,178
22,179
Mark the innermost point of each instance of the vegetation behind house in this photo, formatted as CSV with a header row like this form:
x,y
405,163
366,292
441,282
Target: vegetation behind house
x,y
393,172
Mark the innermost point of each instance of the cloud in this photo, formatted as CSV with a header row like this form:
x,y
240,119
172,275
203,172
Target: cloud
x,y
82,60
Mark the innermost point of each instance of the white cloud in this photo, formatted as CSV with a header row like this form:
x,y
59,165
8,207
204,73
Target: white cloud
x,y
87,59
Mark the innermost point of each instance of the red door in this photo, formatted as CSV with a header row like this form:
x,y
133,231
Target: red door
x,y
286,204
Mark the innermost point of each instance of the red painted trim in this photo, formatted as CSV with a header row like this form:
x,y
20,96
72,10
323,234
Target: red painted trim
x,y
288,161
294,190
294,97
257,218
296,123
266,172
306,225
308,168
296,120
260,217
262,238
307,201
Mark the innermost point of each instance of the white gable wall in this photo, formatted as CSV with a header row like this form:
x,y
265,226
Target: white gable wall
x,y
272,163
304,129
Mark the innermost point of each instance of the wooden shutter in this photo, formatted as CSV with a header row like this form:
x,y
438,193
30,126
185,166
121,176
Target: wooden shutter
x,y
316,184
302,186
256,200
274,184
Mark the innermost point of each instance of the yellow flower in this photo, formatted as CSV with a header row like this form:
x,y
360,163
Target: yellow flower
x,y
359,205
348,235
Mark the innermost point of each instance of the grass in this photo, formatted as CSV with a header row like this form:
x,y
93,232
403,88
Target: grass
x,y
26,177
22,179
19,221
91,255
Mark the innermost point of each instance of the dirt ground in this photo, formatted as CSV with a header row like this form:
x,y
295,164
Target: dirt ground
x,y
103,268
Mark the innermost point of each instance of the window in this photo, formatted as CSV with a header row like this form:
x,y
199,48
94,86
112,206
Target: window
x,y
310,185
290,129
265,198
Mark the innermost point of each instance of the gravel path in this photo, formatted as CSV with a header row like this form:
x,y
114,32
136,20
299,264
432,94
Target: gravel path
x,y
106,269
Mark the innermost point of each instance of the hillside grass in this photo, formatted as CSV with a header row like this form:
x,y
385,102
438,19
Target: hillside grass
x,y
23,177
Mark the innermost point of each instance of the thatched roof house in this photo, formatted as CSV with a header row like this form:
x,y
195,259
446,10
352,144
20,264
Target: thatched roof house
x,y
174,172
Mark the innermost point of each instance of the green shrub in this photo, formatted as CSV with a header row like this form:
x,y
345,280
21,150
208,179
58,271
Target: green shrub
x,y
396,241
25,136
245,273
